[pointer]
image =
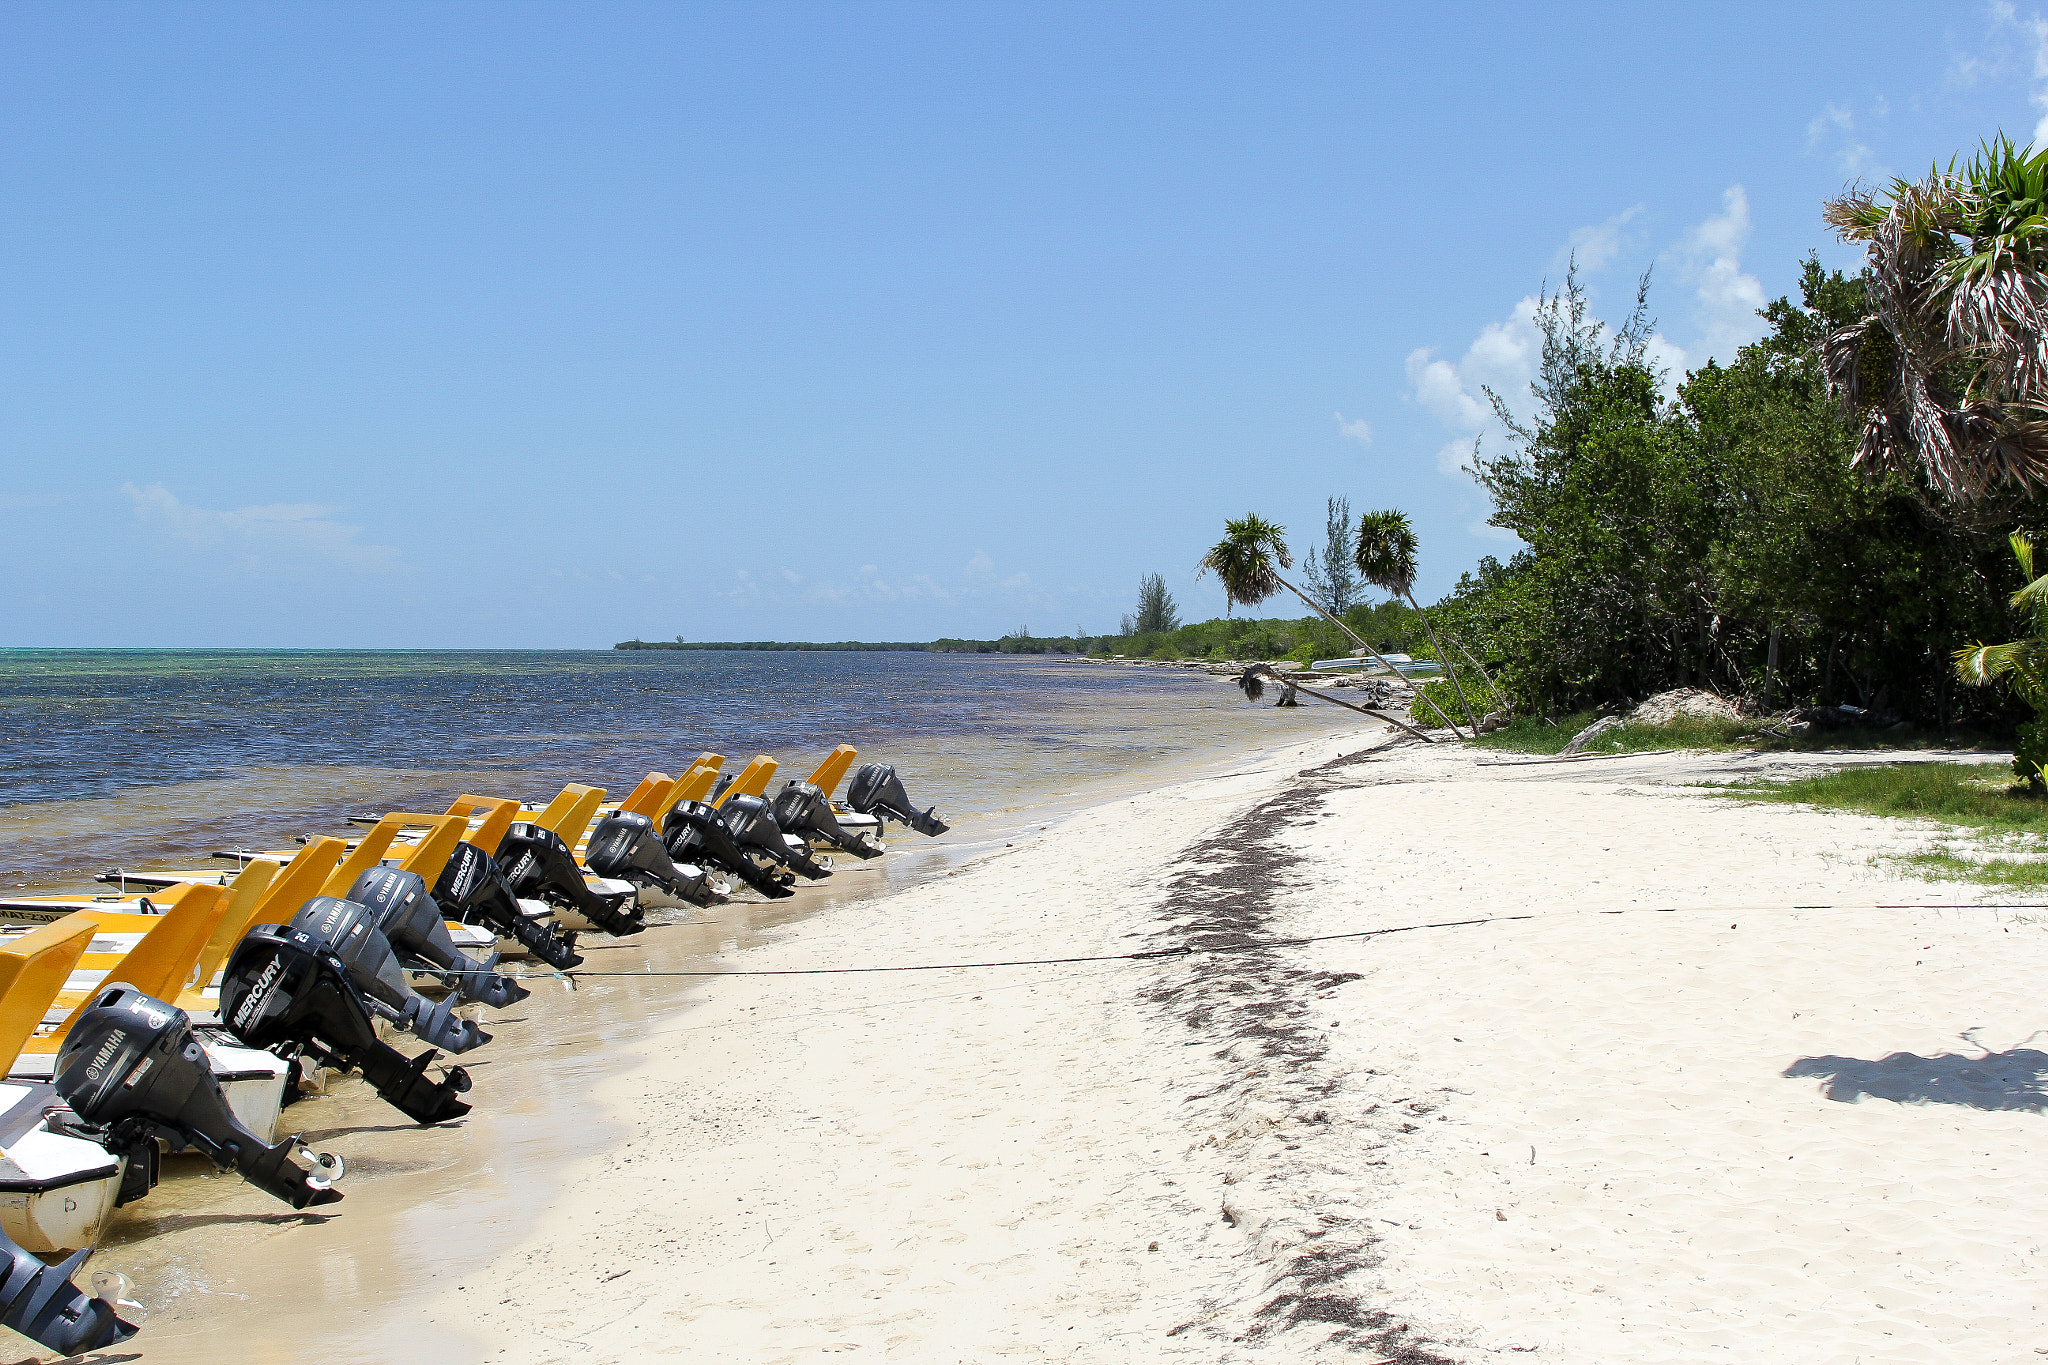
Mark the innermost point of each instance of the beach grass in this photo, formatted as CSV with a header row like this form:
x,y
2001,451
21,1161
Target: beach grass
x,y
1535,735
2005,817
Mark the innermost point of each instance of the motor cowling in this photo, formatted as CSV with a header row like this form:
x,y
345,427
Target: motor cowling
x,y
472,886
693,833
752,825
625,846
132,1065
349,931
411,920
877,788
801,809
284,990
40,1302
540,866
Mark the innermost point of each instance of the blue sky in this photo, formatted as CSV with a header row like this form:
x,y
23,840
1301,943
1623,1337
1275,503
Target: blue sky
x,y
553,325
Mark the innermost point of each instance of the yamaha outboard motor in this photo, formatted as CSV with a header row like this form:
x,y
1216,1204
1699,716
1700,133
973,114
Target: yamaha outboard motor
x,y
40,1302
752,825
693,833
472,886
412,922
626,847
802,810
132,1065
349,931
283,989
876,788
539,866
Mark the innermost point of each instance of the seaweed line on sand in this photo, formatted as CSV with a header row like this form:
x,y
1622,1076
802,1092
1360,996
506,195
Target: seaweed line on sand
x,y
1258,1007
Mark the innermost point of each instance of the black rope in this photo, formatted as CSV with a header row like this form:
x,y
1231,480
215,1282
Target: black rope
x,y
1259,945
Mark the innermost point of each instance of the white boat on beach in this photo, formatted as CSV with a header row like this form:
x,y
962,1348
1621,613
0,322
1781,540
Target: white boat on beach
x,y
1404,665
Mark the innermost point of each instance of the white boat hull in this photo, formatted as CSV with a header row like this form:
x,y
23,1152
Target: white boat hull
x,y
56,1191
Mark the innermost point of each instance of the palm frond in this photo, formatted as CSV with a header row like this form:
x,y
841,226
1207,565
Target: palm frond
x,y
1248,559
1386,551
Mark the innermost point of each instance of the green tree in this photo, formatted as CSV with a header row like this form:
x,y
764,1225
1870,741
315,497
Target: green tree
x,y
2022,665
1385,555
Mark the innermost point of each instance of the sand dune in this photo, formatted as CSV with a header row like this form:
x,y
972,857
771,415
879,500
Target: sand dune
x,y
1646,1110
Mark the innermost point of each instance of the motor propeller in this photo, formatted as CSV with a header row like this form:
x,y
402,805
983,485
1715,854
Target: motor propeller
x,y
538,865
877,788
132,1065
411,920
477,891
40,1302
285,989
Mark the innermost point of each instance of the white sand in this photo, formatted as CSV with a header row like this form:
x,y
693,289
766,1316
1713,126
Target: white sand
x,y
1570,1137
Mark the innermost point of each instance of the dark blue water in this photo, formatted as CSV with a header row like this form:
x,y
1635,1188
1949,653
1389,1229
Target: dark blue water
x,y
124,756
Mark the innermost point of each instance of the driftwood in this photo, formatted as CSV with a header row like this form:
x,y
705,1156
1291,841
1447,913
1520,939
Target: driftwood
x,y
1253,686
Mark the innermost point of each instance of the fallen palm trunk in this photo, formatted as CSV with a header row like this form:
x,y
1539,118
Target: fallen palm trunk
x,y
1253,689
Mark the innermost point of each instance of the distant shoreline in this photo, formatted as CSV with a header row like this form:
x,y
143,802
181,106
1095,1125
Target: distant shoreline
x,y
1012,645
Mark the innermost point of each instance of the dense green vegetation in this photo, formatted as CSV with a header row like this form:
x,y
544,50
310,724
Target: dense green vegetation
x,y
1391,627
1669,541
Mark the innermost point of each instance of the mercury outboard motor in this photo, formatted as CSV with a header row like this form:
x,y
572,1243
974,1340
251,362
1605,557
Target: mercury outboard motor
x,y
876,788
626,847
472,886
284,989
539,866
692,832
349,931
752,825
802,810
412,922
132,1065
40,1302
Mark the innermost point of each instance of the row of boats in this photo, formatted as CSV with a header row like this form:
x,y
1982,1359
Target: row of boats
x,y
184,1011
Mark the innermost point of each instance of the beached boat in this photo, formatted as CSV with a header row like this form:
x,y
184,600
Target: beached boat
x,y
1402,664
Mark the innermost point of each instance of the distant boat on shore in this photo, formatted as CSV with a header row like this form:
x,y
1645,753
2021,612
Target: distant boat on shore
x,y
1404,665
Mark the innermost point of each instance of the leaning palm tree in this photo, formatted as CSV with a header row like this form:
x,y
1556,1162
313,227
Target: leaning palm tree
x,y
1386,556
2022,666
1948,369
1248,561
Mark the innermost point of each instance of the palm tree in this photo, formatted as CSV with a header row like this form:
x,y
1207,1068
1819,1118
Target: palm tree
x,y
1948,370
1248,561
1386,556
2022,666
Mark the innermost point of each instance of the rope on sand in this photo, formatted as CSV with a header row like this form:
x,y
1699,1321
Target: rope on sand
x,y
1261,945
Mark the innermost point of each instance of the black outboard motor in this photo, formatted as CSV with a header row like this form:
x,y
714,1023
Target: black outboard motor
x,y
132,1065
539,866
40,1302
693,833
752,826
284,989
412,922
349,931
626,847
473,887
876,788
802,810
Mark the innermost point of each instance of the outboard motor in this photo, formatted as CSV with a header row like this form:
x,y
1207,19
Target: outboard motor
x,y
538,865
40,1302
876,788
692,832
752,825
349,932
626,847
472,886
283,988
412,922
802,810
131,1065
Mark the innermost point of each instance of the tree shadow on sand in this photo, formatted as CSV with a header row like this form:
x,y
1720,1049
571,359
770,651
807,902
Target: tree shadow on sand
x,y
2014,1079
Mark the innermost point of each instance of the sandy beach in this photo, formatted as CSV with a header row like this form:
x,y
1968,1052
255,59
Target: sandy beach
x,y
1679,1079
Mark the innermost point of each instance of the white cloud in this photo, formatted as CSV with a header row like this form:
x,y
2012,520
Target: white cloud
x,y
1593,247
277,538
980,564
1709,258
1837,124
1357,428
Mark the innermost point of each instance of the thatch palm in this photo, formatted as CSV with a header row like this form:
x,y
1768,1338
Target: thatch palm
x,y
1949,369
1248,561
1386,554
2022,666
